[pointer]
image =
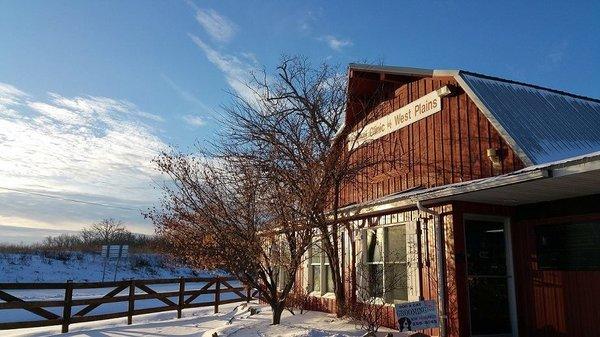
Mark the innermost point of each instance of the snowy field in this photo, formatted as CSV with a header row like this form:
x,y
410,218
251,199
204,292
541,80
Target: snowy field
x,y
234,320
85,267
231,321
81,267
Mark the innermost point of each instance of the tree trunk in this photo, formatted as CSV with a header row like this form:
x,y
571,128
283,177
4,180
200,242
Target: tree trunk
x,y
277,311
340,302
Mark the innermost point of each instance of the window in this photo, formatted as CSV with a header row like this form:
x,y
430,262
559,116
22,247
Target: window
x,y
320,278
385,262
315,268
569,246
280,256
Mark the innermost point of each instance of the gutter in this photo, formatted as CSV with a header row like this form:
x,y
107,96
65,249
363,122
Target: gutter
x,y
440,252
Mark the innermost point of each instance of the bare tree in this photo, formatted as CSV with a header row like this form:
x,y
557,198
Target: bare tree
x,y
286,146
106,231
294,129
225,213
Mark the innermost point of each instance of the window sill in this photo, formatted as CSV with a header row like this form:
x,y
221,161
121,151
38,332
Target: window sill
x,y
329,295
379,301
321,295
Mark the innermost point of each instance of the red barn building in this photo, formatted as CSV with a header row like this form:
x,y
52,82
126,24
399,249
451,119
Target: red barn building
x,y
510,171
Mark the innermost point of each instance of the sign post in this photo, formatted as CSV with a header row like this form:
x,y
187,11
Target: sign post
x,y
413,316
111,252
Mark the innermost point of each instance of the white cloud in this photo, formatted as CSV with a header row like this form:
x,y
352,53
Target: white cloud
x,y
335,43
237,72
98,106
193,120
217,26
9,97
95,149
555,56
58,114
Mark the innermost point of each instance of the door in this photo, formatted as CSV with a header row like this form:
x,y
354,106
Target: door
x,y
489,272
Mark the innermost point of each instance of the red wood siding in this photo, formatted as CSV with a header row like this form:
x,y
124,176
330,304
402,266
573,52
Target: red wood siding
x,y
446,147
550,303
555,303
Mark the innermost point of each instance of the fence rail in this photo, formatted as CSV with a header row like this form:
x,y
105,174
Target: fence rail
x,y
185,298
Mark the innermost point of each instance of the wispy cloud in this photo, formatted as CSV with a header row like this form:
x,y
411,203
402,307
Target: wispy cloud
x,y
217,26
194,120
335,43
9,97
555,56
94,149
237,72
186,95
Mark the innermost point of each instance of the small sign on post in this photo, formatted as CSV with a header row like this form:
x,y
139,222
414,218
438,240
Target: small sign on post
x,y
112,252
413,316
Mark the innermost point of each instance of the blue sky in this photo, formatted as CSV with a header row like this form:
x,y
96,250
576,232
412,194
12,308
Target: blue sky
x,y
90,90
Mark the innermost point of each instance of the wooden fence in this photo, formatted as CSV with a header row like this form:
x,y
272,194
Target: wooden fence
x,y
185,299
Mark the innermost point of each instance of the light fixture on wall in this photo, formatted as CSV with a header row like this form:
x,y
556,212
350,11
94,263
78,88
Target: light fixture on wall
x,y
494,157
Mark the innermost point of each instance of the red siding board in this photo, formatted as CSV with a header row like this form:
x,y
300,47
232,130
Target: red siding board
x,y
449,146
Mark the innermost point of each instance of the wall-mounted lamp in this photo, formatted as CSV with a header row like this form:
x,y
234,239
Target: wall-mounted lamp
x,y
494,157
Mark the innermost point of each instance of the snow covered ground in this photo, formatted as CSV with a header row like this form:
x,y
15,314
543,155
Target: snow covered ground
x,y
195,322
85,267
234,321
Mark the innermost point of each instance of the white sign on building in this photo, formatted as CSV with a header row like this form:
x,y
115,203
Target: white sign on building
x,y
413,316
406,115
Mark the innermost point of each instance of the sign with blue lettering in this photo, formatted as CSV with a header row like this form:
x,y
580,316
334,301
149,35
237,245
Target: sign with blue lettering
x,y
413,316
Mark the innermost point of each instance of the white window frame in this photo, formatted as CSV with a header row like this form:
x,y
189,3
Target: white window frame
x,y
281,272
323,264
385,256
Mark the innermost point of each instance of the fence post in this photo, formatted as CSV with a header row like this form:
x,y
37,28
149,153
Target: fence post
x,y
217,294
181,290
248,293
66,319
131,306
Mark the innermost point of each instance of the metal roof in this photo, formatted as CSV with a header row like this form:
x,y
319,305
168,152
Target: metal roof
x,y
541,125
547,125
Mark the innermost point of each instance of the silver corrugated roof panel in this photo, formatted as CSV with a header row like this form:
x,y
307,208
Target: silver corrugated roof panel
x,y
546,125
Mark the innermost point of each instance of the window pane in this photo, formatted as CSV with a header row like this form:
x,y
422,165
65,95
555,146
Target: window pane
x,y
329,279
375,279
569,246
396,244
374,245
396,282
280,278
316,278
486,247
315,254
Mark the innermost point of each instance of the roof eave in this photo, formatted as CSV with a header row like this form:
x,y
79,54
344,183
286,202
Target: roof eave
x,y
402,201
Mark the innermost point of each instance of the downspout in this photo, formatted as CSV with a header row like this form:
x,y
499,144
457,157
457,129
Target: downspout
x,y
441,265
